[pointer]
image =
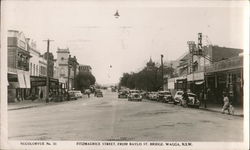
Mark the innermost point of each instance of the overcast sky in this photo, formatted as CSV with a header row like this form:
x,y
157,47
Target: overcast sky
x,y
143,30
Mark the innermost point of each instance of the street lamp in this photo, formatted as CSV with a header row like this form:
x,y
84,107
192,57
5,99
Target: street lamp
x,y
116,14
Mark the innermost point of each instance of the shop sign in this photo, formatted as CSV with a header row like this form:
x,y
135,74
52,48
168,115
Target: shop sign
x,y
196,76
27,79
171,85
38,83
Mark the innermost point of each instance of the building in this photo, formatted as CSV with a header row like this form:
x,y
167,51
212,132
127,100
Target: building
x,y
18,66
191,70
37,90
85,68
75,68
226,76
67,67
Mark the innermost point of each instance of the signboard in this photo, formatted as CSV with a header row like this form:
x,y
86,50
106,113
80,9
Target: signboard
x,y
27,79
196,76
38,83
171,84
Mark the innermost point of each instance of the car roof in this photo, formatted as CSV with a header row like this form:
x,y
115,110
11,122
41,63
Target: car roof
x,y
164,91
191,94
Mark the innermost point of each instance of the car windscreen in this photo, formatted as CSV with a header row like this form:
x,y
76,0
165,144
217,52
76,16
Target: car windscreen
x,y
179,93
191,95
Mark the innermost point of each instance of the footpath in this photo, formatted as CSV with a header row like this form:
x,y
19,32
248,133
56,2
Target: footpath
x,y
238,111
28,104
25,104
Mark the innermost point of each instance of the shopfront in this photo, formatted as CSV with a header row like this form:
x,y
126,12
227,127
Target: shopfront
x,y
38,86
226,77
195,82
19,85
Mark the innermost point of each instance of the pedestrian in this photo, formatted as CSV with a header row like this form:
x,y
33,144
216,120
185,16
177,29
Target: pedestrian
x,y
41,94
185,98
201,96
88,94
226,103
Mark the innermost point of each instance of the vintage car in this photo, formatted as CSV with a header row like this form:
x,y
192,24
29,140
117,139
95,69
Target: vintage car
x,y
78,94
153,96
193,100
134,95
178,97
123,94
72,95
164,96
98,93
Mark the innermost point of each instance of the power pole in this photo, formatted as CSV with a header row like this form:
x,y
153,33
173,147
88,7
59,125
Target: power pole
x,y
47,77
162,72
68,75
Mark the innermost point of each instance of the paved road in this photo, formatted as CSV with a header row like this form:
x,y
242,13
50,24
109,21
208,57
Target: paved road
x,y
110,118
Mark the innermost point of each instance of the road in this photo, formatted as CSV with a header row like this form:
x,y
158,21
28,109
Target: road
x,y
110,118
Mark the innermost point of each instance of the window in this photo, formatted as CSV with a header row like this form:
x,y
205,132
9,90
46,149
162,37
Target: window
x,y
30,68
37,70
34,69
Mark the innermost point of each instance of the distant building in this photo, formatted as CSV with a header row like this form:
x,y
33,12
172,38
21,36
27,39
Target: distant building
x,y
62,61
67,67
85,68
150,65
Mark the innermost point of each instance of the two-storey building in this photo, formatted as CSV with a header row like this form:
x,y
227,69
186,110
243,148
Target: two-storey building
x,y
18,66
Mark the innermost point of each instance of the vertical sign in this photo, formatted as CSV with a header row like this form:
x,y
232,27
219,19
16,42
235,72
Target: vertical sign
x,y
199,43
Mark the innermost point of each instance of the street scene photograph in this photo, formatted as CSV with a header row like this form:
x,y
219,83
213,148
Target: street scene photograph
x,y
124,71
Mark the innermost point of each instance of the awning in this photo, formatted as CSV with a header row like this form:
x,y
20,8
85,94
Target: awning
x,y
27,79
199,82
21,80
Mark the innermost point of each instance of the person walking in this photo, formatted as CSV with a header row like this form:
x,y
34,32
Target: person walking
x,y
226,103
201,96
185,98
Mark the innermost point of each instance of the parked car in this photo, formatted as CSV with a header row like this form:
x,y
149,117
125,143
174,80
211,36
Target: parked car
x,y
178,97
78,94
72,95
193,100
164,96
134,95
153,96
98,93
123,94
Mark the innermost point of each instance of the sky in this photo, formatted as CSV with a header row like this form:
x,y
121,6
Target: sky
x,y
143,30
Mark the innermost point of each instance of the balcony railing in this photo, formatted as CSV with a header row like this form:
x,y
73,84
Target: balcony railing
x,y
232,63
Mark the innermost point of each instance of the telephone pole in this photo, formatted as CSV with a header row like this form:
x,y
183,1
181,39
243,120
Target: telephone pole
x,y
162,72
47,77
69,63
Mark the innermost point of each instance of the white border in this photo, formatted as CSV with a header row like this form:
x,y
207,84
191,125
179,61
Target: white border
x,y
5,144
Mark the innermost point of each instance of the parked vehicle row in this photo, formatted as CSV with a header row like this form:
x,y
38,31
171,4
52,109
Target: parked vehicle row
x,y
180,97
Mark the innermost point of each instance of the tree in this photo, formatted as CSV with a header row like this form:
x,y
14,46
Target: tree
x,y
84,80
